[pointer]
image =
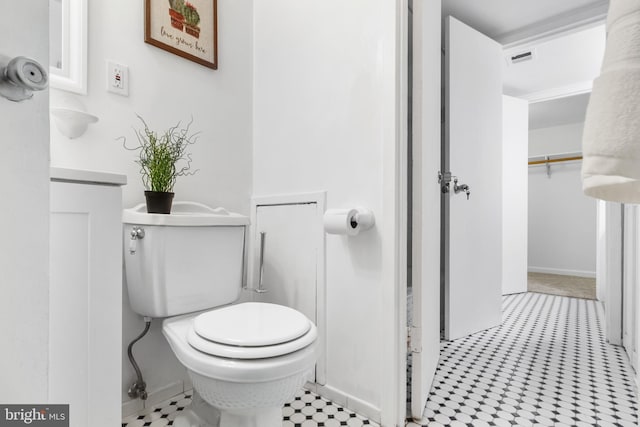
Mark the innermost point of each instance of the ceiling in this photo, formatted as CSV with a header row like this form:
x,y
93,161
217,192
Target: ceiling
x,y
510,20
561,65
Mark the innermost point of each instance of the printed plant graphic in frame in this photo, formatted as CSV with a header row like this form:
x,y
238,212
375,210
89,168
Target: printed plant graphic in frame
x,y
185,28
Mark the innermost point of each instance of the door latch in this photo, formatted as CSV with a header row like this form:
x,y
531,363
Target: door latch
x,y
444,179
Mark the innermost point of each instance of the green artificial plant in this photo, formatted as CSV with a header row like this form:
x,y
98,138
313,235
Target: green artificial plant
x,y
163,157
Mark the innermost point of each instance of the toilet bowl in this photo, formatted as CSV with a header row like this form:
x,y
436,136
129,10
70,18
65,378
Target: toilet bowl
x,y
245,360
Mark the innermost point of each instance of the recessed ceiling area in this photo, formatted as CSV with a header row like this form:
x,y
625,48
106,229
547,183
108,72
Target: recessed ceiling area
x,y
557,112
509,20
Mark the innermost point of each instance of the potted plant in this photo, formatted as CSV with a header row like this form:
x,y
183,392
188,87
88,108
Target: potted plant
x,y
175,11
162,157
192,19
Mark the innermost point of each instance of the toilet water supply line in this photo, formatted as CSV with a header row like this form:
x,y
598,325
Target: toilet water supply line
x,y
139,387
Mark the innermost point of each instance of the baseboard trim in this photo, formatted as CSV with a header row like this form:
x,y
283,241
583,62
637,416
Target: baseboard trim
x,y
159,395
562,272
352,403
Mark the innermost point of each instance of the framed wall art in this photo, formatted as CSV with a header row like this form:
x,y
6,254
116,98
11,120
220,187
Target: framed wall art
x,y
186,28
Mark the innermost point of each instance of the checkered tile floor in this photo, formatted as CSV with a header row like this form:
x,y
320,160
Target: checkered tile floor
x,y
547,365
306,410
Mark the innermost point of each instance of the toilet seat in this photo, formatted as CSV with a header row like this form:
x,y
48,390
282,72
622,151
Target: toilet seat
x,y
236,370
251,331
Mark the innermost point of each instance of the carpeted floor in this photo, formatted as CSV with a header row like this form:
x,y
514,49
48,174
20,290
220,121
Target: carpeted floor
x,y
565,286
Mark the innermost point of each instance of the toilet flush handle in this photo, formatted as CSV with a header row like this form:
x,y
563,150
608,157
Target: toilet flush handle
x,y
136,233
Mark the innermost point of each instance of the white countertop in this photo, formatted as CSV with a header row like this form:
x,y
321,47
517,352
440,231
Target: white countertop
x,y
86,177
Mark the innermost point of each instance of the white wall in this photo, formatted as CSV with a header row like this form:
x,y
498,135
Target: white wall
x,y
325,119
556,139
562,221
514,195
24,218
164,89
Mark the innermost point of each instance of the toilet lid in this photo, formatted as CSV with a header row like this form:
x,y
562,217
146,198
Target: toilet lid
x,y
251,331
251,324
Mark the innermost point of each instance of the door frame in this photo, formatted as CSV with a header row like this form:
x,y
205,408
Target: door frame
x,y
318,198
424,324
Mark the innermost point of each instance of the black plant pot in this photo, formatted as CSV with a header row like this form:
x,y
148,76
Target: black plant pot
x,y
158,201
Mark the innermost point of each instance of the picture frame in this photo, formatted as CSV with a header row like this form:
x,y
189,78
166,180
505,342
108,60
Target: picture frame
x,y
185,28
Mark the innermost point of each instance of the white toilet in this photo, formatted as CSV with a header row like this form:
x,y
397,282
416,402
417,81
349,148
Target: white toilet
x,y
245,360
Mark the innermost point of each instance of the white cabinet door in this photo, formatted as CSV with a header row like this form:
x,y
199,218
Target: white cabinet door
x,y
289,273
85,326
293,246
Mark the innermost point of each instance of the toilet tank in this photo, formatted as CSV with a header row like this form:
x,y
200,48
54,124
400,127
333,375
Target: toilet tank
x,y
189,260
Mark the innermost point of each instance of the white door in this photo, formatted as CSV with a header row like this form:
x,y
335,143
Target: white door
x,y
425,262
472,152
515,194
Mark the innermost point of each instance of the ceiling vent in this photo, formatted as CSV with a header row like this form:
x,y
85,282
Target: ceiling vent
x,y
523,56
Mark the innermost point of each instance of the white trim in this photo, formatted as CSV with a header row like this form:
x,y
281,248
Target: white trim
x,y
559,25
320,200
319,197
562,272
613,273
558,92
348,401
394,273
601,251
73,75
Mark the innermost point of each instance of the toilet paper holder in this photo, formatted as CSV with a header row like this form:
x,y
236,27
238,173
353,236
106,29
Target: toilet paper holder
x,y
348,222
20,77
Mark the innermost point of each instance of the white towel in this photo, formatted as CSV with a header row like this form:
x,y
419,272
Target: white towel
x,y
611,140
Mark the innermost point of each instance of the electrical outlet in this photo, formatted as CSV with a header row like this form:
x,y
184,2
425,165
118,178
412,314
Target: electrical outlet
x,y
117,78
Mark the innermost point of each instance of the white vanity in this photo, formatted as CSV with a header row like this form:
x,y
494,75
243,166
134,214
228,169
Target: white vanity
x,y
85,318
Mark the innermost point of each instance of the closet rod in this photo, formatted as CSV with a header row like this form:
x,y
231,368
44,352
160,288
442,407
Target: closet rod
x,y
555,158
561,159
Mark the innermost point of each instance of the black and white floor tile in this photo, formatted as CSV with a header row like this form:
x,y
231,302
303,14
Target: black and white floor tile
x,y
306,410
547,365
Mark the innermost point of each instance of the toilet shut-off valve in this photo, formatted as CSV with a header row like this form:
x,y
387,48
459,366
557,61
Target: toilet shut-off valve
x,y
136,233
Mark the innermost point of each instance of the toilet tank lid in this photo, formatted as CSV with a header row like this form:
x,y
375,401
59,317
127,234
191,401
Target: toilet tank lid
x,y
184,214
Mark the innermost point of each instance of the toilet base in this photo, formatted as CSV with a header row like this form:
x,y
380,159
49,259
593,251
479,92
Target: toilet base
x,y
265,417
199,414
268,417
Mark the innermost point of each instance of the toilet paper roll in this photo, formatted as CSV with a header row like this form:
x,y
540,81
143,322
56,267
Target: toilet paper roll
x,y
341,221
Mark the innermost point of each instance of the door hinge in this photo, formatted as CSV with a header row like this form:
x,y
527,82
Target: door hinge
x,y
414,339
